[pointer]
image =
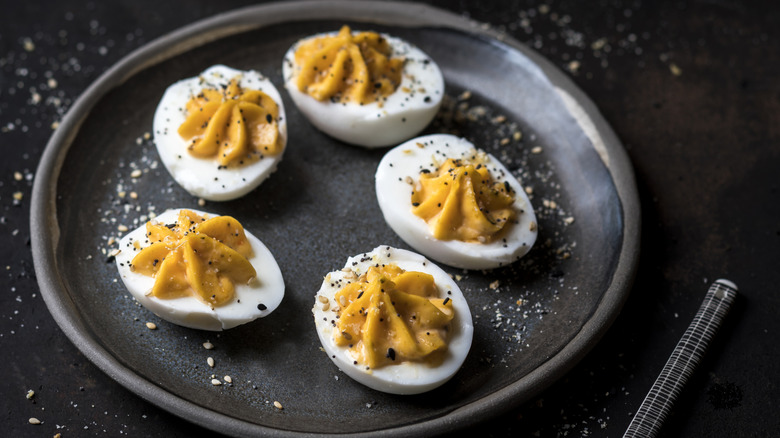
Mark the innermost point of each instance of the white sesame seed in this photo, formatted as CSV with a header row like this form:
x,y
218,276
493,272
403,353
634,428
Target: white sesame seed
x,y
34,420
536,150
210,361
208,345
151,326
18,176
322,298
115,253
278,405
228,379
136,173
133,195
122,228
215,382
201,202
30,394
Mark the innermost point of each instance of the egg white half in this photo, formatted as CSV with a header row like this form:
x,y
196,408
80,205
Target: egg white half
x,y
403,114
394,195
405,377
204,177
265,291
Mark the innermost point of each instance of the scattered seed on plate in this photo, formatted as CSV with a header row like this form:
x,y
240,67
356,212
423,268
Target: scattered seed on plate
x,y
133,195
30,394
18,176
208,345
136,173
210,361
536,150
201,202
494,285
18,196
122,228
215,382
34,420
151,326
228,379
278,405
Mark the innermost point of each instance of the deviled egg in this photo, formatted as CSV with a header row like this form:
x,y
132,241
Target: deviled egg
x,y
363,88
455,203
200,270
393,321
221,133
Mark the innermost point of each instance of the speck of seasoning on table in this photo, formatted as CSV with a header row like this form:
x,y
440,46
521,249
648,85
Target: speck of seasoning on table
x,y
210,361
215,382
151,326
34,420
208,345
30,394
136,173
201,202
228,379
278,405
122,228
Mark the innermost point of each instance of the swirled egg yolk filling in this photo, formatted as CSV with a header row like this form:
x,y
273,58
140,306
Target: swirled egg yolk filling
x,y
232,125
389,316
348,68
460,201
195,256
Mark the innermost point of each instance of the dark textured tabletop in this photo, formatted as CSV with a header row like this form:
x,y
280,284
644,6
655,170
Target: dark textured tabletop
x,y
690,87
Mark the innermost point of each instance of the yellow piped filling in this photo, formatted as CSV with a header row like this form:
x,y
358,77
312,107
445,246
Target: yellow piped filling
x,y
348,68
199,257
233,125
460,201
390,316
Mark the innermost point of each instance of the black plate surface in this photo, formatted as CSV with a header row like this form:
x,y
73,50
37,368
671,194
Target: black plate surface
x,y
533,320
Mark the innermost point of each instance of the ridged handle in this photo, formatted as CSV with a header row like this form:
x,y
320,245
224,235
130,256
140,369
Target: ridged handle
x,y
687,354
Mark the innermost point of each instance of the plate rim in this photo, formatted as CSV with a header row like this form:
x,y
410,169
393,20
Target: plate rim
x,y
45,233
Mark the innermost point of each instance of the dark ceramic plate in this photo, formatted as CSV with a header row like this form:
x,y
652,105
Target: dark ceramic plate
x,y
533,320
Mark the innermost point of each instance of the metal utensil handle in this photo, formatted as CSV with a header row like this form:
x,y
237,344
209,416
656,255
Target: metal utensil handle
x,y
686,356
